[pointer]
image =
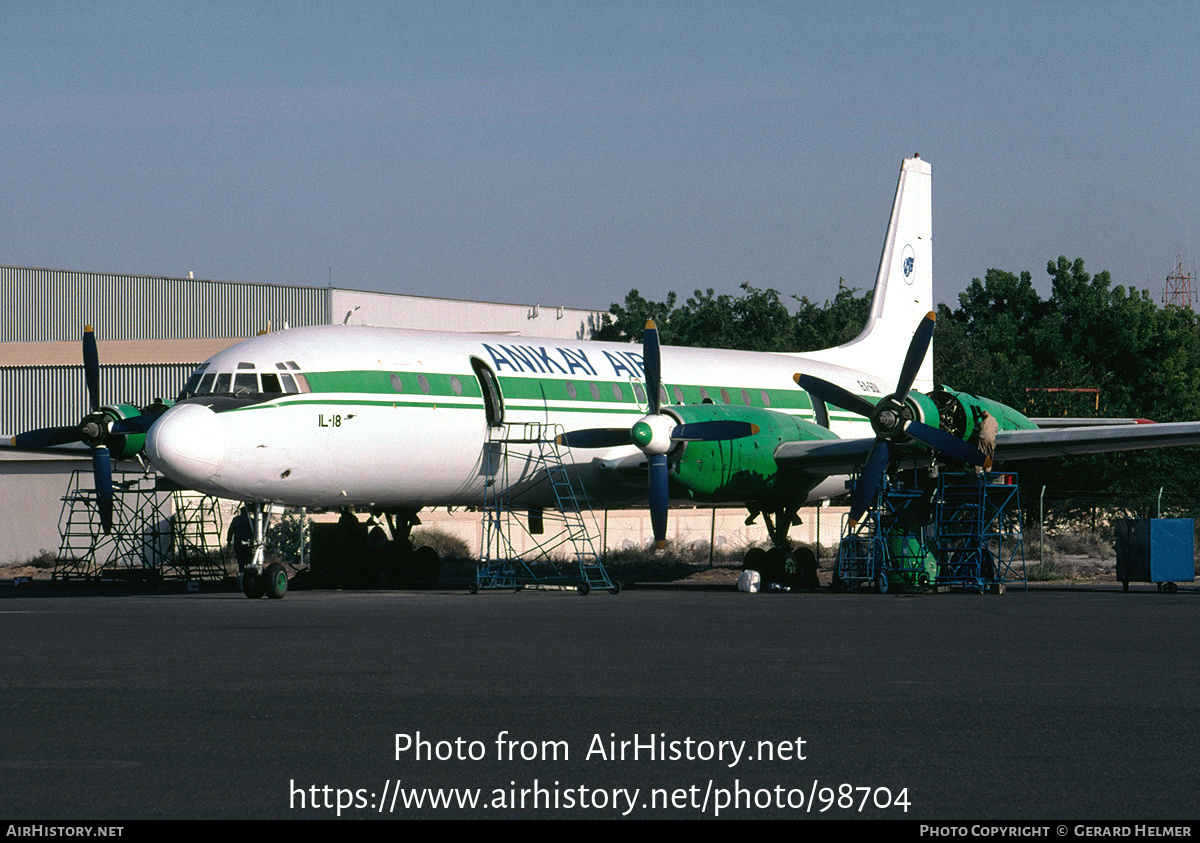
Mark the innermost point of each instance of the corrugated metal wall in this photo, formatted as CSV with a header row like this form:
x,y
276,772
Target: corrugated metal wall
x,y
48,396
49,305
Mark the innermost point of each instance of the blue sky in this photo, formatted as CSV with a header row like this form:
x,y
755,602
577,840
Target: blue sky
x,y
564,153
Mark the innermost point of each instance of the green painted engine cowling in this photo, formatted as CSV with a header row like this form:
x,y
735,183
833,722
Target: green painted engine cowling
x,y
737,469
960,413
128,445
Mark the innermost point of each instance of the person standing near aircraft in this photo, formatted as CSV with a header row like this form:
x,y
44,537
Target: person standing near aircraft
x,y
241,537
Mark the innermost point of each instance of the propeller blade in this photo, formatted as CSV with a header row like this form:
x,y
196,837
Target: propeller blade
x,y
834,394
652,365
45,437
713,431
91,367
659,498
102,471
868,481
947,443
136,424
917,349
596,437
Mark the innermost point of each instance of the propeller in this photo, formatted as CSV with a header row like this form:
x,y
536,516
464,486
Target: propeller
x,y
656,433
95,430
892,420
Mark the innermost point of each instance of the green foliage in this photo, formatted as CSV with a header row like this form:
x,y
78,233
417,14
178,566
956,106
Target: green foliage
x,y
1092,349
835,323
284,535
755,321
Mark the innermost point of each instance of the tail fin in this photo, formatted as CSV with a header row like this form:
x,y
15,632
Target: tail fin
x,y
903,288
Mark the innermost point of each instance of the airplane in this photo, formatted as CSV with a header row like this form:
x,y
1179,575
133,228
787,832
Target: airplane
x,y
397,420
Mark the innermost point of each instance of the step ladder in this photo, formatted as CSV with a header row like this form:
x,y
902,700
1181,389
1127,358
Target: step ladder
x,y
555,546
978,528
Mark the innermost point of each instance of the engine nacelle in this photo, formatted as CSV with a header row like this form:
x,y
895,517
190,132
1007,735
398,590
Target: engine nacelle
x,y
738,469
961,412
126,445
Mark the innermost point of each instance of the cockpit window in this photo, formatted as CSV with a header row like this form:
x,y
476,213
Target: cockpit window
x,y
285,380
193,382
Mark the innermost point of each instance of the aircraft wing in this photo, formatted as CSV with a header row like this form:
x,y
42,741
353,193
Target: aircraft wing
x,y
1033,444
824,456
843,456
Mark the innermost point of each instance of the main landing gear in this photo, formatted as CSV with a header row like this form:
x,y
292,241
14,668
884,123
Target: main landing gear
x,y
781,564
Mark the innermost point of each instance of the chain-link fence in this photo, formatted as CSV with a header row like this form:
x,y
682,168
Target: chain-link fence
x,y
710,537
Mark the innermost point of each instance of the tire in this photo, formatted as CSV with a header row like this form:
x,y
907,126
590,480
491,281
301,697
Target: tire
x,y
616,588
275,581
252,586
754,560
584,588
426,566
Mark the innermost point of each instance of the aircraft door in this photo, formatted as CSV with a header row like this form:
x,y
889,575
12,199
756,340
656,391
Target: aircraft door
x,y
489,385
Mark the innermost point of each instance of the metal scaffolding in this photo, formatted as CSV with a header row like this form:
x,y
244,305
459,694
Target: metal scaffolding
x,y
157,533
964,532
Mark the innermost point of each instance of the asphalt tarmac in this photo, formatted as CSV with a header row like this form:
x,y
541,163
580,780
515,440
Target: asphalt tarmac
x,y
1056,704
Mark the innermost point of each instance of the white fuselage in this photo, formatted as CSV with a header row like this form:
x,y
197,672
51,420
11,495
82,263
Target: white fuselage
x,y
396,418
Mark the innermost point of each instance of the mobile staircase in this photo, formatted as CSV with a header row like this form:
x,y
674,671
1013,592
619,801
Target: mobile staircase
x,y
547,548
978,531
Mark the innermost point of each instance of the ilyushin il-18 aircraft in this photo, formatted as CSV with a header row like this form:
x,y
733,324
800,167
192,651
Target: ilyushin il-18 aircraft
x,y
351,416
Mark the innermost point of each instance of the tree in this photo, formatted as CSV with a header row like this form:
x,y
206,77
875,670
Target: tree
x,y
1139,360
838,322
755,321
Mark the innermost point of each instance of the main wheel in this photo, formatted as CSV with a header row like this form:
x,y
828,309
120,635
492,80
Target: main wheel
x,y
252,585
275,581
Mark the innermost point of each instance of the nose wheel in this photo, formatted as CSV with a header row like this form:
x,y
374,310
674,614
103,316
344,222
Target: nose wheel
x,y
258,580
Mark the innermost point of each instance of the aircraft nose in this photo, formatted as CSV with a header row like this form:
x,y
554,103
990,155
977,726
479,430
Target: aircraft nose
x,y
187,444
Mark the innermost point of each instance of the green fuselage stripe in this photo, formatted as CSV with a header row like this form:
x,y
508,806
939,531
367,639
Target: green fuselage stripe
x,y
410,389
